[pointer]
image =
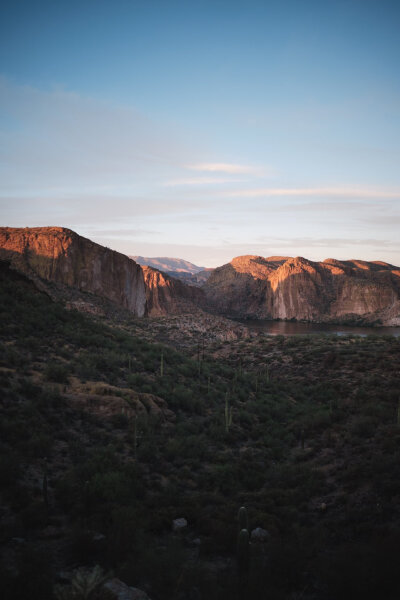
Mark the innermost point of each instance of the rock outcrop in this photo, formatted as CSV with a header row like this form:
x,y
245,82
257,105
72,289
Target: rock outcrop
x,y
166,295
60,255
297,288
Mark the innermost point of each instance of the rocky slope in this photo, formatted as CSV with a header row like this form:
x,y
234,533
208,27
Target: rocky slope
x,y
166,295
195,279
297,288
59,255
178,268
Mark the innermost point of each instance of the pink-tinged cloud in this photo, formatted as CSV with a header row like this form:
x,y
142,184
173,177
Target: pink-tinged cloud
x,y
339,192
201,181
230,168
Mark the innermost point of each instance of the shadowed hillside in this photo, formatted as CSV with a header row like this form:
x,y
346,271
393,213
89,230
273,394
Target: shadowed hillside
x,y
107,438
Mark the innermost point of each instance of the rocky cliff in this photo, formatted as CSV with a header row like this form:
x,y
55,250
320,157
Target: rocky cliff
x,y
58,254
278,287
297,288
167,295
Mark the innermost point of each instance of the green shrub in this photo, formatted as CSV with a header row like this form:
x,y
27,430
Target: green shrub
x,y
57,372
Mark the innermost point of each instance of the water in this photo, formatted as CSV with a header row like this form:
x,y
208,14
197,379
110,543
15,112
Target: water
x,y
294,328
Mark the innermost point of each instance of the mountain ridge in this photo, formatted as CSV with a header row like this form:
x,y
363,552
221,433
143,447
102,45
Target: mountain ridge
x,y
168,264
250,286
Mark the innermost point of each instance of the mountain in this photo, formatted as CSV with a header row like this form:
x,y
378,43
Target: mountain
x,y
277,287
296,288
178,268
72,262
167,295
192,279
168,265
62,256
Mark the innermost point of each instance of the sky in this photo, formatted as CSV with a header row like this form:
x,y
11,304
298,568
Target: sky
x,y
204,129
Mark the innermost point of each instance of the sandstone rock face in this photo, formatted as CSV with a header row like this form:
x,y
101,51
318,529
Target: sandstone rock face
x,y
167,295
60,255
297,288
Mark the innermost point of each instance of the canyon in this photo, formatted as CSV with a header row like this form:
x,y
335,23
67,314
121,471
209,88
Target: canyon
x,y
167,295
115,428
277,287
176,267
296,288
70,261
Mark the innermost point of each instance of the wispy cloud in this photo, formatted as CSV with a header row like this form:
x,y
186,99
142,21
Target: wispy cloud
x,y
311,242
122,233
233,169
53,139
392,220
200,181
339,192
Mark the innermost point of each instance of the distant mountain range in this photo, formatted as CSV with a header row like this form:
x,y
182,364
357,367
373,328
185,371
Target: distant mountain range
x,y
168,265
176,267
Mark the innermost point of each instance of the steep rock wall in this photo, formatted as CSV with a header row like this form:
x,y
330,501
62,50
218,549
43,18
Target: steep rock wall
x,y
296,288
167,295
60,255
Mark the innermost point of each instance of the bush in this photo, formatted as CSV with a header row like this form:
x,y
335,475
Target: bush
x,y
56,372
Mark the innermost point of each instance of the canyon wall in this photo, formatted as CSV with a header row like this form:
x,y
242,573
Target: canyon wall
x,y
296,288
278,287
167,295
60,255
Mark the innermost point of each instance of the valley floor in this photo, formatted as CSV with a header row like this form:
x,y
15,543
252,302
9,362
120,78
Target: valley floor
x,y
111,429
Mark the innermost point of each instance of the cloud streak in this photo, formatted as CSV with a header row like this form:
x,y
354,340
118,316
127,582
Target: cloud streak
x,y
193,181
232,169
114,174
59,139
337,192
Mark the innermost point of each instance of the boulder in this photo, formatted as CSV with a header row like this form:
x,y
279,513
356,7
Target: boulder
x,y
259,535
179,524
118,590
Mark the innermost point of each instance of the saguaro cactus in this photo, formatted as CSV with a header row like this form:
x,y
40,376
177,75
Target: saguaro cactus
x,y
242,518
45,485
135,437
243,551
228,414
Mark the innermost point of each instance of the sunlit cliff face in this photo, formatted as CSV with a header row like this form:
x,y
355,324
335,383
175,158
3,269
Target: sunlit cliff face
x,y
49,242
296,288
250,286
257,266
60,255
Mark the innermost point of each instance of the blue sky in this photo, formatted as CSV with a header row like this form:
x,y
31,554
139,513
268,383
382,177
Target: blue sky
x,y
205,130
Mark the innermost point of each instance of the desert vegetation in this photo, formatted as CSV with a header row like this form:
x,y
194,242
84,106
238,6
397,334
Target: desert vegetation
x,y
111,431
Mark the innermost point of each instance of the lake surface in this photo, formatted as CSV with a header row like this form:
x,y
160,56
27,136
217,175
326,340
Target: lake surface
x,y
293,328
